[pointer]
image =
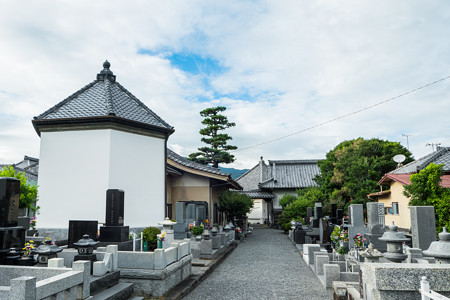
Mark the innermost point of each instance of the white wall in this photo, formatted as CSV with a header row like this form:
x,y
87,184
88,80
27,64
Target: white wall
x,y
259,212
280,193
77,167
137,166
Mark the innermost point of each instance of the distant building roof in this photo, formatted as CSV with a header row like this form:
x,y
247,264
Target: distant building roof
x,y
441,156
402,178
291,174
191,164
103,101
278,174
29,166
257,194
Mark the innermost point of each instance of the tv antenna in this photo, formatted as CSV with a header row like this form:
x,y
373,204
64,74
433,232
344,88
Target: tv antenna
x,y
399,158
433,145
407,139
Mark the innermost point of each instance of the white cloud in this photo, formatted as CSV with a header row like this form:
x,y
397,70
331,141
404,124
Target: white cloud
x,y
301,63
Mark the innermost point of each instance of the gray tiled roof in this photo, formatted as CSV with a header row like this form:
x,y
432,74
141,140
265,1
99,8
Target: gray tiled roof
x,y
441,156
104,97
190,164
258,194
291,174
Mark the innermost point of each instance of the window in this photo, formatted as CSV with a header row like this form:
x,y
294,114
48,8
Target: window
x,y
395,208
388,210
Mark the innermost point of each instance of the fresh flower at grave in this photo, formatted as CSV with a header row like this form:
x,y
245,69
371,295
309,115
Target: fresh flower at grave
x,y
28,249
197,230
33,223
46,240
207,222
336,234
359,240
161,236
190,226
201,225
343,236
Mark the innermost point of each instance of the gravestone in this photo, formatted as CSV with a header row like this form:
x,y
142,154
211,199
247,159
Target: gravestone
x,y
318,213
333,216
375,225
340,216
114,231
309,212
356,224
423,226
357,215
180,228
9,201
11,235
78,228
114,207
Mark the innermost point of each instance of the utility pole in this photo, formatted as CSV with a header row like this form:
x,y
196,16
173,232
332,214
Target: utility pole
x,y
432,145
407,139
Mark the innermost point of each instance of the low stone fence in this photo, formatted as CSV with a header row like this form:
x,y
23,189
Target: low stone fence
x,y
400,281
41,283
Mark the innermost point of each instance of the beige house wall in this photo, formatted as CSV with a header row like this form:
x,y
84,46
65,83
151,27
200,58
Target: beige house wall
x,y
403,218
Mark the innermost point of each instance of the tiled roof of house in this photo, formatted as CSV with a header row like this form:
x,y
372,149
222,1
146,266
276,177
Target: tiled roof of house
x,y
104,98
191,164
257,194
402,178
291,174
441,156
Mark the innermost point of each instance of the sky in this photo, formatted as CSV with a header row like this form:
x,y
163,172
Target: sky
x,y
280,67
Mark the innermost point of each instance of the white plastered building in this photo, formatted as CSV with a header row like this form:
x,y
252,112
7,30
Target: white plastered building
x,y
99,138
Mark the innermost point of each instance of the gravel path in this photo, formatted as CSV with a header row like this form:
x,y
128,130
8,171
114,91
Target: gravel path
x,y
266,266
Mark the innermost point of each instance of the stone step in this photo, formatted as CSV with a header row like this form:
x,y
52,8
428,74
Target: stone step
x,y
136,298
119,291
100,283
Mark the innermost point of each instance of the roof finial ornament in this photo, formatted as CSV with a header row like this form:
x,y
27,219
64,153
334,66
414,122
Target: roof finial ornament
x,y
106,72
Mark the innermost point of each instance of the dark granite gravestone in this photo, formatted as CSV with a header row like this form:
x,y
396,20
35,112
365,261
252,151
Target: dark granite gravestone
x,y
9,201
114,231
114,207
340,216
11,235
333,217
78,228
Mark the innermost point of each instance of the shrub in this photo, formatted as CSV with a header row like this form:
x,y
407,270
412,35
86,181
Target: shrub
x,y
150,236
197,230
287,226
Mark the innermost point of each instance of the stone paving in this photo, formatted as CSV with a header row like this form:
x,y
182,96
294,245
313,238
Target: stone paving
x,y
265,266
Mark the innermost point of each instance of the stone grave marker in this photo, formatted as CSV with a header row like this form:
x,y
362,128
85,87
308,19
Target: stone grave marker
x,y
11,235
78,228
114,207
423,226
375,225
114,231
356,224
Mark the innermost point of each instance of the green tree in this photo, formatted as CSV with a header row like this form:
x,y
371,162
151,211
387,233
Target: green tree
x,y
234,204
28,192
426,190
217,152
287,199
296,210
353,168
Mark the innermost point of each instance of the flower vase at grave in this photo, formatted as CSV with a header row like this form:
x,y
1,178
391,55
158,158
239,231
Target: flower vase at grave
x,y
145,246
160,244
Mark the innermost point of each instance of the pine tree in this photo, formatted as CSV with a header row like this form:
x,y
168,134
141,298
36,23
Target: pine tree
x,y
217,152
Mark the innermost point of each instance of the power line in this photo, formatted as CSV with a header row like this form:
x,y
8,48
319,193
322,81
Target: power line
x,y
343,116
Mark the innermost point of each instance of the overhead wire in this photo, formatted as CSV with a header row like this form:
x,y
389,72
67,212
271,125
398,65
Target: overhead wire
x,y
342,116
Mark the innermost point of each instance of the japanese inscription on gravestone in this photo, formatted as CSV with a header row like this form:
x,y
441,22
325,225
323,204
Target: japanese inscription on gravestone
x,y
114,207
9,201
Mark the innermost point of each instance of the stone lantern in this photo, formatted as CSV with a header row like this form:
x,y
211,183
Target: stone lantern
x,y
214,231
47,251
440,250
168,229
227,228
394,242
85,248
167,225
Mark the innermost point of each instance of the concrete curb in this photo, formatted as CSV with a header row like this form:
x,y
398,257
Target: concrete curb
x,y
185,287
